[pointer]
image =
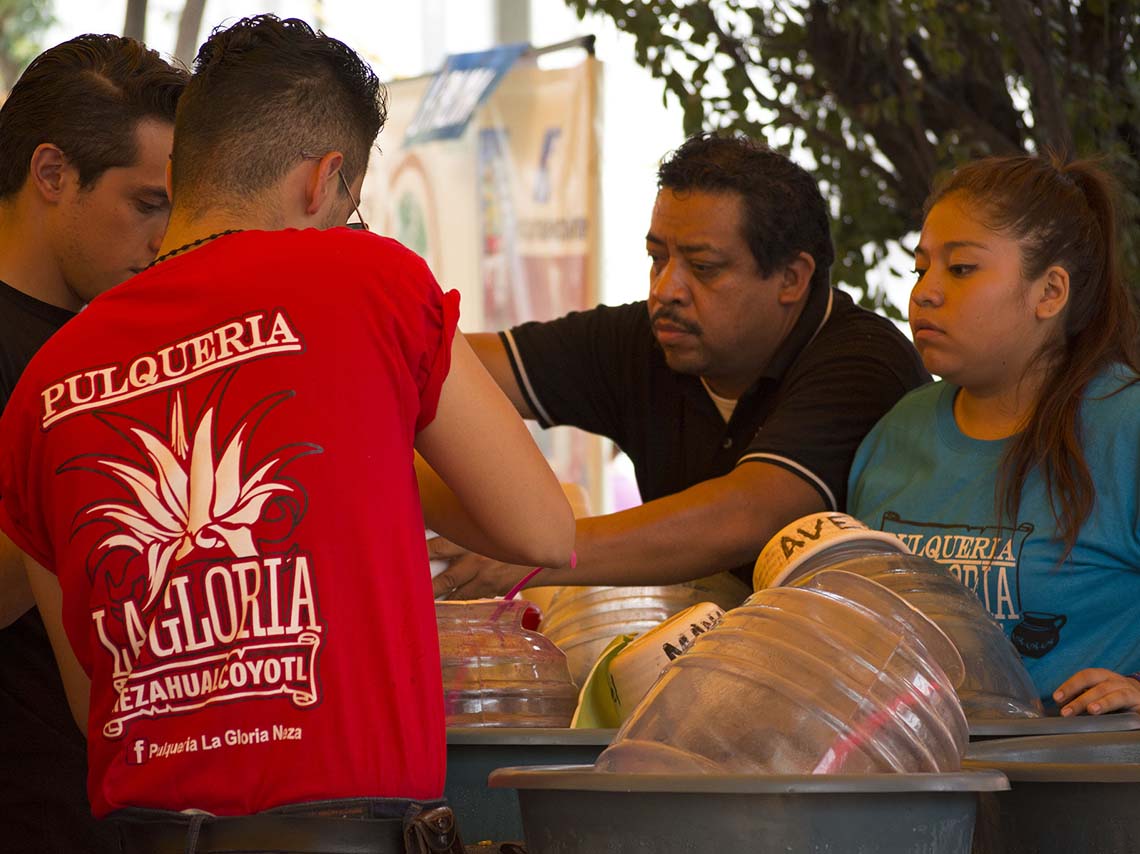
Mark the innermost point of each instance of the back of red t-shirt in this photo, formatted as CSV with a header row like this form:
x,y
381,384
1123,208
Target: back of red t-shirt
x,y
215,458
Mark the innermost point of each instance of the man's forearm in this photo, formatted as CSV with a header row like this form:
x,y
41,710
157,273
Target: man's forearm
x,y
712,526
15,594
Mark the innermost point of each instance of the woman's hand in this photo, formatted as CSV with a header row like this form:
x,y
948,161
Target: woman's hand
x,y
470,575
1095,691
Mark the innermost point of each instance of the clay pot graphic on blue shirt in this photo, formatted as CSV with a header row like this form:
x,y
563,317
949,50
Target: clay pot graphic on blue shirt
x,y
1037,633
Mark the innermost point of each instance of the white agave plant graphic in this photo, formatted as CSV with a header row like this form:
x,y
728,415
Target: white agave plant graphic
x,y
184,500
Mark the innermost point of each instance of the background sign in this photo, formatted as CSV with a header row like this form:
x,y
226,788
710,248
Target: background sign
x,y
457,90
506,211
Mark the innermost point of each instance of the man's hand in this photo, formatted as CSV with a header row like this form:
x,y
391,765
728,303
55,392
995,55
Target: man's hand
x,y
1095,691
471,576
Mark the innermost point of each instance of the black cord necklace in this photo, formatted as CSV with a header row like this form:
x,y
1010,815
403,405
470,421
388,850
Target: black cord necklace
x,y
191,245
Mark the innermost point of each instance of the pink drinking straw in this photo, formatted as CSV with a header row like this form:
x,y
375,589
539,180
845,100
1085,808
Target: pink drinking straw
x,y
514,591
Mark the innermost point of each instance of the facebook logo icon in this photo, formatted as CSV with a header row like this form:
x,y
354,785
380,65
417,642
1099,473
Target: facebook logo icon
x,y
136,753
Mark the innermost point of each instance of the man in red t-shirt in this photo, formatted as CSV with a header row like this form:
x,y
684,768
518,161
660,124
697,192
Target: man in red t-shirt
x,y
210,472
85,136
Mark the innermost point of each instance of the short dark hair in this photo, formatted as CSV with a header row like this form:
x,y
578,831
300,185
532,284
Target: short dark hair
x,y
86,96
264,92
784,211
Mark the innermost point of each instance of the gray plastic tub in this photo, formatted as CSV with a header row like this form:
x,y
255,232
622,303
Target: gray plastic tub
x,y
984,728
1067,793
474,752
576,810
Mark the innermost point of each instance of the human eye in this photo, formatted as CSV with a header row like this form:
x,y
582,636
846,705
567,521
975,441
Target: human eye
x,y
705,268
960,271
150,208
918,272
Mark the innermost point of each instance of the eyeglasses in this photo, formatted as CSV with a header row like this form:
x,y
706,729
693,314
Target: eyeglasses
x,y
361,225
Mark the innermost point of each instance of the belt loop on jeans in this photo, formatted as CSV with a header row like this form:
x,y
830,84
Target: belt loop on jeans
x,y
193,831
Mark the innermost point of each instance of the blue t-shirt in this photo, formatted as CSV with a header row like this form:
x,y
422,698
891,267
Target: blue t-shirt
x,y
918,476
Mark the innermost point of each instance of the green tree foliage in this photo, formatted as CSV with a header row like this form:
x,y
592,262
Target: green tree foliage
x,y
22,24
883,95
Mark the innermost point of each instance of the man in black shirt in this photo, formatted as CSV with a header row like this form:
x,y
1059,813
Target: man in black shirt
x,y
85,136
740,389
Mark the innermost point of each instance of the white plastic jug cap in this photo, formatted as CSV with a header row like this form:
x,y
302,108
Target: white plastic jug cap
x,y
634,670
808,536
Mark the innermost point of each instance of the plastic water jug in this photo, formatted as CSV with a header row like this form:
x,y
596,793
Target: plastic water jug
x,y
996,685
498,670
583,620
839,676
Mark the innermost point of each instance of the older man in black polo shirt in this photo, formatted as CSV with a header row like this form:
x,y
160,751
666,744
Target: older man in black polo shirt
x,y
740,389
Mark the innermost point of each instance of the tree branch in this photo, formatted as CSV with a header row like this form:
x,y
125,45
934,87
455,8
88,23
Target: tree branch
x,y
1048,111
735,49
134,24
188,26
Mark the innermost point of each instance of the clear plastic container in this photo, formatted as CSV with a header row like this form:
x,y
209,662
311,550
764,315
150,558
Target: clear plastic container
x,y
996,684
497,670
584,648
836,678
583,620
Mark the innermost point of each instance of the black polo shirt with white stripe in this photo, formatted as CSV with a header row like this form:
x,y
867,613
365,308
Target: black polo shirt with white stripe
x,y
839,370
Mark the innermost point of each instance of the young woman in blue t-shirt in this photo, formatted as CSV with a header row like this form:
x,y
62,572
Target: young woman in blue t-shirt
x,y
1020,471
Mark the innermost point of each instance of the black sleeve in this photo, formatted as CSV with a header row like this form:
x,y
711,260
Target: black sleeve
x,y
25,325
842,384
579,369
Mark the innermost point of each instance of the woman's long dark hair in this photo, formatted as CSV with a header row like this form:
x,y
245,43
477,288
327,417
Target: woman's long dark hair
x,y
1061,214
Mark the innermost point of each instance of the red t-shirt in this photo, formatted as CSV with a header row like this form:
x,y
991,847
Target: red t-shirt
x,y
215,458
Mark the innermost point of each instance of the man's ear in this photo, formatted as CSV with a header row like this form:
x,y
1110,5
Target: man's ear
x,y
323,183
170,179
796,280
46,171
1053,296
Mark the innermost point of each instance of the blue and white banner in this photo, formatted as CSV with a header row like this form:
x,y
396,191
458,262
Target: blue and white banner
x,y
457,91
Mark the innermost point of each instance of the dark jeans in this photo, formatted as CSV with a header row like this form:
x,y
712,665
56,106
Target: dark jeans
x,y
345,826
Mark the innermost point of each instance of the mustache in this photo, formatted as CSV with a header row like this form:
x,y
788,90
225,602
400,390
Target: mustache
x,y
666,313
